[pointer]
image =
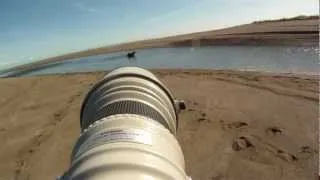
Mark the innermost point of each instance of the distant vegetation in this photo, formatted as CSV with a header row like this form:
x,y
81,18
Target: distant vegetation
x,y
289,19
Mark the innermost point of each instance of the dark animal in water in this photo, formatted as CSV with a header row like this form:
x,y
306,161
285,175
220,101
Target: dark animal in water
x,y
131,54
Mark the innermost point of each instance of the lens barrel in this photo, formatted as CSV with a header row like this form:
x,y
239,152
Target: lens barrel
x,y
128,125
130,90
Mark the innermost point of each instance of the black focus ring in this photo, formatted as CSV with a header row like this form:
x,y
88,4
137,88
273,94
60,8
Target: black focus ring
x,y
102,82
126,107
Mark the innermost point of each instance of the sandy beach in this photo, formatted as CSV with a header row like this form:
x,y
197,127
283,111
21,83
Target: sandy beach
x,y
237,125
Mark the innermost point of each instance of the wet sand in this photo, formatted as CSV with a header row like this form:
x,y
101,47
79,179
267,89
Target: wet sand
x,y
237,125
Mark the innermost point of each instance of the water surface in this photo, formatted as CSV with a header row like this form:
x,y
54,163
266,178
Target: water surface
x,y
260,58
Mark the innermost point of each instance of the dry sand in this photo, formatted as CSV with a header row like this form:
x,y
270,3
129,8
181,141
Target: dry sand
x,y
237,126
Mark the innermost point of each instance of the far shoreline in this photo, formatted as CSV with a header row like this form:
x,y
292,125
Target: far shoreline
x,y
199,71
287,32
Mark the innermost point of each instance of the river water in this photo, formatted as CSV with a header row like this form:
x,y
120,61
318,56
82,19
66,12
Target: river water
x,y
259,58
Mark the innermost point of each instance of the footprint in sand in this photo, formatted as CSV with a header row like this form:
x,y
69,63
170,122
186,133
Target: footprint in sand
x,y
233,125
246,142
274,131
306,152
241,143
286,156
237,125
203,117
306,149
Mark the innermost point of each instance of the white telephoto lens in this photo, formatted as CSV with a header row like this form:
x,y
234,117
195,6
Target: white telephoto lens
x,y
128,125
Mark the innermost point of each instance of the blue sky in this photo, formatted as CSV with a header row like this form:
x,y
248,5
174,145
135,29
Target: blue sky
x,y
34,29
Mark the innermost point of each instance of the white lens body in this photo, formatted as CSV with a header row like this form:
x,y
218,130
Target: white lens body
x,y
127,147
128,122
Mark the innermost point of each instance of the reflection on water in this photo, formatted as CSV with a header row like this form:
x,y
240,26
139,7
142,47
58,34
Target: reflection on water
x,y
257,58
